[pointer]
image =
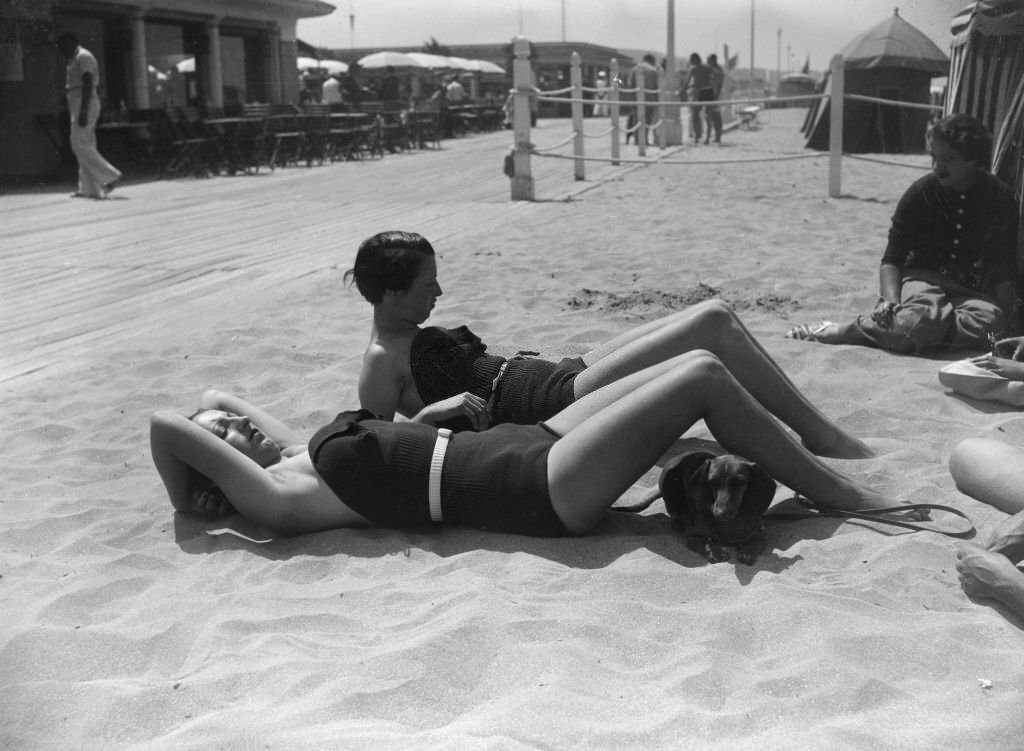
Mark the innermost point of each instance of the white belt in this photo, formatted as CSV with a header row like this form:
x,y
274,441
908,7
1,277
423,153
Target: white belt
x,y
434,480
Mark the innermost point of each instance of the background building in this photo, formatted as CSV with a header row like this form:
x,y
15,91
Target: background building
x,y
152,54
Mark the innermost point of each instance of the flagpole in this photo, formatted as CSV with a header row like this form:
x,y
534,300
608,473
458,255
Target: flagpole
x,y
751,45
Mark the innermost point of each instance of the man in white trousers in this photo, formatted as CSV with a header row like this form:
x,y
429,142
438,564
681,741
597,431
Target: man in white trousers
x,y
96,176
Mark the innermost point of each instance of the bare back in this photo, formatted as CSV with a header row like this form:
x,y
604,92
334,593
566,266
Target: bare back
x,y
386,384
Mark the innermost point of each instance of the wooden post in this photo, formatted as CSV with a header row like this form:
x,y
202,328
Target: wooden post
x,y
835,127
641,114
613,108
522,179
576,79
662,109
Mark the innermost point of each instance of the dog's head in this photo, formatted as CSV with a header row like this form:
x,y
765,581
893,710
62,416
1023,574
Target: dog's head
x,y
722,496
727,478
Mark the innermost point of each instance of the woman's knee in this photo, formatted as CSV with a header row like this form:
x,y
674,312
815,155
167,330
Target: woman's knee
x,y
966,452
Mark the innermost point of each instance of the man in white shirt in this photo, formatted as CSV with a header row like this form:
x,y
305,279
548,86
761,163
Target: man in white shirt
x,y
96,176
330,92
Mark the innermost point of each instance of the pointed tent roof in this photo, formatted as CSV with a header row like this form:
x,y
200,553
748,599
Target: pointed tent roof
x,y
895,43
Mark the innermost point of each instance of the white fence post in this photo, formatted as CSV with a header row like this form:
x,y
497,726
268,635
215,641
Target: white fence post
x,y
835,127
522,82
613,109
576,79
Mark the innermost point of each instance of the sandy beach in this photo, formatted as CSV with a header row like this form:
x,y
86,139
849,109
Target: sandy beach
x,y
127,626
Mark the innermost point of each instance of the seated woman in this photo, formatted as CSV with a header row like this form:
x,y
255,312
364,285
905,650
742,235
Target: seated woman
x,y
446,378
551,479
993,472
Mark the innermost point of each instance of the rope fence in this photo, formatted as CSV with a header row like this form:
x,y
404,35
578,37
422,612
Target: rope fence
x,y
666,125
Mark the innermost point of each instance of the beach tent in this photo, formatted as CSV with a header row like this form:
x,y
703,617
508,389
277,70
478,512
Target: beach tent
x,y
892,60
986,80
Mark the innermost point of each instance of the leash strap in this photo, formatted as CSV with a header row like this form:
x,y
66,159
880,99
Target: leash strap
x,y
875,515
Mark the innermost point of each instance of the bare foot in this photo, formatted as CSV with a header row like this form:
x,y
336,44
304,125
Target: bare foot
x,y
825,332
984,573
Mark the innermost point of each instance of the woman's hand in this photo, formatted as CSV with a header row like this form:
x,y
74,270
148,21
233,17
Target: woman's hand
x,y
210,503
1011,348
467,405
1009,369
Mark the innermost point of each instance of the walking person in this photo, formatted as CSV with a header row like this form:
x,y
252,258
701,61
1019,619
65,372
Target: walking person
x,y
96,176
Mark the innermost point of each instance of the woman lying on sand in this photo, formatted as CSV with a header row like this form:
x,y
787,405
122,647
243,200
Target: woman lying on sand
x,y
445,378
993,472
551,479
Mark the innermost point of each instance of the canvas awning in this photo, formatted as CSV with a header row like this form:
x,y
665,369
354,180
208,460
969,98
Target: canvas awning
x,y
895,43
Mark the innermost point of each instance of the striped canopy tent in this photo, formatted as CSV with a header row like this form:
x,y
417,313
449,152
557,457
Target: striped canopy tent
x,y
892,60
986,80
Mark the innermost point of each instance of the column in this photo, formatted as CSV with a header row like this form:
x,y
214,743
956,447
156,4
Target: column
x,y
140,69
215,72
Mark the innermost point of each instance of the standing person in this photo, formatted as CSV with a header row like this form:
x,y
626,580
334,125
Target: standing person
x,y
948,275
645,75
389,85
352,89
714,111
96,176
601,95
698,88
453,95
330,92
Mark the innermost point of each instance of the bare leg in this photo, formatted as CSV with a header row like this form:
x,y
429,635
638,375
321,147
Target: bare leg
x,y
713,326
990,471
614,435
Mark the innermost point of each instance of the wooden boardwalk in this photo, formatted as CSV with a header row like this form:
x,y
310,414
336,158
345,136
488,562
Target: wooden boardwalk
x,y
78,273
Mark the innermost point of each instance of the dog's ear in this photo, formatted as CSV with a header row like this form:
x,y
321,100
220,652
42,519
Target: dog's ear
x,y
677,481
760,490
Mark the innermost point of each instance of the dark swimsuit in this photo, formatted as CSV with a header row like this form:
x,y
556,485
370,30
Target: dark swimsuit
x,y
447,362
495,480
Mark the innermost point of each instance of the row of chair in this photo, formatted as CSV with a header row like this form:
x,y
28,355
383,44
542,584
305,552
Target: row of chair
x,y
185,141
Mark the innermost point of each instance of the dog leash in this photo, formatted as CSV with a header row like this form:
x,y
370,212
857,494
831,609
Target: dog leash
x,y
875,515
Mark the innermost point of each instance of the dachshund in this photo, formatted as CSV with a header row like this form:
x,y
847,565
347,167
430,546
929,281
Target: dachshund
x,y
717,501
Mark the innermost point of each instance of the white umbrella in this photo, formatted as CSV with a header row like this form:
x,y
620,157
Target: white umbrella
x,y
386,58
462,63
434,62
486,66
334,67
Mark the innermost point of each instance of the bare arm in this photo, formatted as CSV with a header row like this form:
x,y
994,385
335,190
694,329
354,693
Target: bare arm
x,y
380,392
380,387
287,438
889,277
178,444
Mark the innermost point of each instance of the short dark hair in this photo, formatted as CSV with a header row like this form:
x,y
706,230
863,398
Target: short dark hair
x,y
388,261
966,135
694,58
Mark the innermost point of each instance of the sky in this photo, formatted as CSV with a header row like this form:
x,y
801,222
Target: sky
x,y
817,29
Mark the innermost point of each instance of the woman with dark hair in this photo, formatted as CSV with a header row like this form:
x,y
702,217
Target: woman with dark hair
x,y
948,277
554,478
445,377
